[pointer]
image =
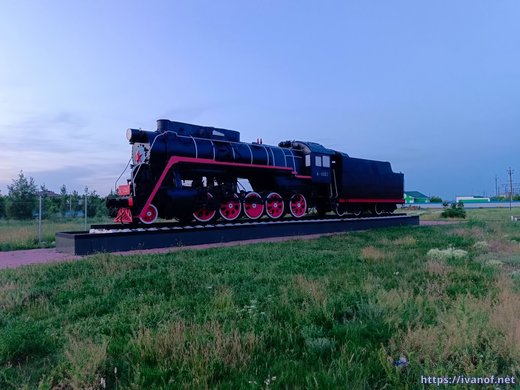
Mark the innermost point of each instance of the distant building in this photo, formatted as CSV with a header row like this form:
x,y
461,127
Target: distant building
x,y
50,194
415,197
472,199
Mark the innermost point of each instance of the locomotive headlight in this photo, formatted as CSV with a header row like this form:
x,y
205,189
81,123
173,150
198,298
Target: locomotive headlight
x,y
135,135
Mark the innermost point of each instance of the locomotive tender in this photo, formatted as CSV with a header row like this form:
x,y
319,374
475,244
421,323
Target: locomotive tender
x,y
189,172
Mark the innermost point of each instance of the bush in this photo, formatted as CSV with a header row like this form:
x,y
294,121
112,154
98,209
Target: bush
x,y
436,199
455,211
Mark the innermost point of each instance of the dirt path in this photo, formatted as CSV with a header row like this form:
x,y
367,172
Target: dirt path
x,y
20,258
15,259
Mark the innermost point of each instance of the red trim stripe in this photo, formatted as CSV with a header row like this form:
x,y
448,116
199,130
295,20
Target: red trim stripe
x,y
368,200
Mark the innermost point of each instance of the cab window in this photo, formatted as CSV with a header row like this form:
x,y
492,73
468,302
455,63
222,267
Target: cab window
x,y
326,161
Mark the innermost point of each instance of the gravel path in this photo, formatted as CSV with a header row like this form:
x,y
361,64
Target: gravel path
x,y
16,259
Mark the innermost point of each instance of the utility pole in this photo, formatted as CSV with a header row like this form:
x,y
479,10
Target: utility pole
x,y
86,193
510,173
496,185
39,218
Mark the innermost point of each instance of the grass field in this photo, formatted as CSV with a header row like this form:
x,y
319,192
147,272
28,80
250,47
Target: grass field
x,y
16,235
335,312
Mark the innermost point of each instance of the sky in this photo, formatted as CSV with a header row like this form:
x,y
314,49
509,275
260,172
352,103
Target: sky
x,y
433,87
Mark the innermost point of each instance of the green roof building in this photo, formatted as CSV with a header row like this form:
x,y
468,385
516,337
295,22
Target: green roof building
x,y
415,197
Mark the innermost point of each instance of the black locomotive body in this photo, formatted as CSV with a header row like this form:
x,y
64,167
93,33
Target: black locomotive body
x,y
188,172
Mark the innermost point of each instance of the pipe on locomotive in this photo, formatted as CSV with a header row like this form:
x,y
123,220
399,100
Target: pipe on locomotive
x,y
182,139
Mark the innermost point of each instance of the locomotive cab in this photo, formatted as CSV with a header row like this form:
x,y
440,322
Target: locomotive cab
x,y
318,160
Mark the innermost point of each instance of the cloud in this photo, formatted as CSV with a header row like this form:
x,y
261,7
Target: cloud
x,y
59,148
58,132
97,176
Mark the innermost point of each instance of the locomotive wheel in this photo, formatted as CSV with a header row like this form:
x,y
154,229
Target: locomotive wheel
x,y
205,213
230,210
253,205
274,206
298,205
357,211
340,210
378,209
149,215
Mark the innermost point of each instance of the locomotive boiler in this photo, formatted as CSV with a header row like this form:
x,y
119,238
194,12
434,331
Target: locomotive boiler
x,y
189,172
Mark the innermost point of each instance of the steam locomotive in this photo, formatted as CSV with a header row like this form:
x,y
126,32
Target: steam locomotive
x,y
189,172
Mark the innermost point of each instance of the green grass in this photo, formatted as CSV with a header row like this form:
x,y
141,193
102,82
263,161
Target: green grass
x,y
334,312
15,235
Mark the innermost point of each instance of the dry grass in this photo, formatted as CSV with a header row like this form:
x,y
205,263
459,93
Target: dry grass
x,y
405,241
474,232
504,246
460,331
313,290
437,267
194,351
505,317
18,234
85,360
435,291
371,284
223,299
372,254
393,299
24,234
471,333
12,295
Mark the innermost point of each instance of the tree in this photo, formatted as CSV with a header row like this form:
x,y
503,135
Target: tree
x,y
2,206
96,205
22,198
64,204
50,203
75,206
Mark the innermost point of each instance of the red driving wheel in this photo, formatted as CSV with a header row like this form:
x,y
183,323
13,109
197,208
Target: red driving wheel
x,y
253,205
274,206
205,213
149,215
230,209
298,205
